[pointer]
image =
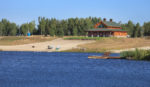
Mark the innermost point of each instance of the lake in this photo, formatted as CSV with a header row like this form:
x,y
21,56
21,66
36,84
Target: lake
x,y
43,69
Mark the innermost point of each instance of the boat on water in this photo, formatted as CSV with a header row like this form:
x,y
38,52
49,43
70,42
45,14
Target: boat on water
x,y
106,55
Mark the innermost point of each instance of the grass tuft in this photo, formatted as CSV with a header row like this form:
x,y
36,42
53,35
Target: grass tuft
x,y
136,55
82,50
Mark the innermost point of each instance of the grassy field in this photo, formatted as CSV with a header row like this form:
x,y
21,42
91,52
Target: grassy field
x,y
107,44
18,40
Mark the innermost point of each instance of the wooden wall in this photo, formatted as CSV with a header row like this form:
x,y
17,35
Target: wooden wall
x,y
120,33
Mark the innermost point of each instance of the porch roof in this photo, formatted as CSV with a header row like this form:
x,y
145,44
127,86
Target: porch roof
x,y
104,29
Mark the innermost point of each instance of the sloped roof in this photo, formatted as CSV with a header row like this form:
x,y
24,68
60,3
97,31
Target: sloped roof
x,y
104,29
113,24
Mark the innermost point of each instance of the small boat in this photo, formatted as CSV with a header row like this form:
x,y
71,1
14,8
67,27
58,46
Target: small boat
x,y
106,55
57,48
33,46
50,47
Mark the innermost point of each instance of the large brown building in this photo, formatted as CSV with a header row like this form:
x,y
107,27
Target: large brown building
x,y
107,29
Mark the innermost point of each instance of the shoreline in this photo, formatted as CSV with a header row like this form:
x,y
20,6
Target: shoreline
x,y
65,46
127,57
69,50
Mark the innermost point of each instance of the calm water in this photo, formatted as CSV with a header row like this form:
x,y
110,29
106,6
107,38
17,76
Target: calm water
x,y
41,69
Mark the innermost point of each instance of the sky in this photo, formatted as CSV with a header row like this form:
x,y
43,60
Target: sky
x,y
22,11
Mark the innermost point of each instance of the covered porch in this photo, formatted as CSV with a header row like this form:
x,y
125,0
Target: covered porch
x,y
100,34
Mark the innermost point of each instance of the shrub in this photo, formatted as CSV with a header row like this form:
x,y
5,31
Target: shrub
x,y
127,54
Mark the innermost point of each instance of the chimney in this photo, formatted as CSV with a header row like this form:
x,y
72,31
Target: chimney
x,y
104,19
111,20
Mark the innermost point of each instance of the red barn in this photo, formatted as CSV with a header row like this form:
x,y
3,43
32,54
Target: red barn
x,y
107,29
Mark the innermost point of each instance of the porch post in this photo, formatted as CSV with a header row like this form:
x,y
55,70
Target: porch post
x,y
87,34
104,34
97,34
92,34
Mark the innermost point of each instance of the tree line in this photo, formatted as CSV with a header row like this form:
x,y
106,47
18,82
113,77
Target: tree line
x,y
71,26
136,30
68,27
8,28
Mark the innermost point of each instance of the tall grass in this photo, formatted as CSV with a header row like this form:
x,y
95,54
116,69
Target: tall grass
x,y
18,40
136,55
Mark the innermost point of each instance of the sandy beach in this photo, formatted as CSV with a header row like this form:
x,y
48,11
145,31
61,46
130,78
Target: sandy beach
x,y
63,44
43,46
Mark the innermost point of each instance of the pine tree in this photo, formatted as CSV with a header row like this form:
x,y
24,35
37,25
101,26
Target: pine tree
x,y
75,31
24,29
146,27
137,30
1,28
47,28
65,27
130,27
12,29
42,25
31,26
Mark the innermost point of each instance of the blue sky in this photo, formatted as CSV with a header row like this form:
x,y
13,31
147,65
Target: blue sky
x,y
22,11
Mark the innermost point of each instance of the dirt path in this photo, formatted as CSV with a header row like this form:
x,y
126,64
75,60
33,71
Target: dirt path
x,y
43,46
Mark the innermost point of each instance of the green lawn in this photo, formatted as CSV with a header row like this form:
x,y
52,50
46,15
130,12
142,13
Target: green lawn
x,y
86,38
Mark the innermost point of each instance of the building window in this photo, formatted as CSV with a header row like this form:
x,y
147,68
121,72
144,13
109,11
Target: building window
x,y
101,26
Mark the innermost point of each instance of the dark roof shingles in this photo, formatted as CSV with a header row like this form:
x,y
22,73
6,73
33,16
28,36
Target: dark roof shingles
x,y
113,24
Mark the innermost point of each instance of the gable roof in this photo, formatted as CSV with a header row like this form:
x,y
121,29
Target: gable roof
x,y
113,24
